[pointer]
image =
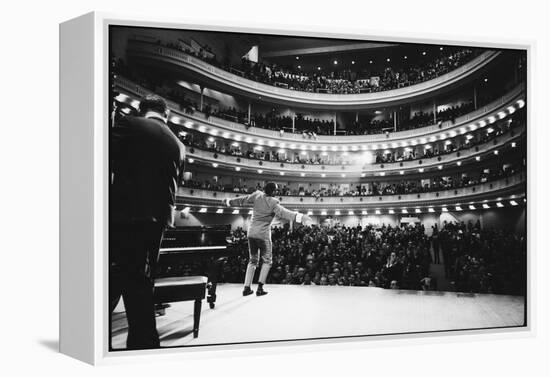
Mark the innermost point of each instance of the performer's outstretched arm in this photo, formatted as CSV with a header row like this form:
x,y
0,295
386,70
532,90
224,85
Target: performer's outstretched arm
x,y
241,201
289,215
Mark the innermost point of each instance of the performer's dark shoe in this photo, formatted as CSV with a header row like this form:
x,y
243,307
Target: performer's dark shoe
x,y
247,291
260,291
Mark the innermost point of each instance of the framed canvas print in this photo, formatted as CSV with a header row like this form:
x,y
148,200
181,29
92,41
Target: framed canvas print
x,y
243,188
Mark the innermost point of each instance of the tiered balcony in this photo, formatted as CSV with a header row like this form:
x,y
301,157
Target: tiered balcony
x,y
505,189
217,77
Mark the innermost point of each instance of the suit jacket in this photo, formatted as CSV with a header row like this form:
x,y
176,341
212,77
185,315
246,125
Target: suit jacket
x,y
265,208
146,163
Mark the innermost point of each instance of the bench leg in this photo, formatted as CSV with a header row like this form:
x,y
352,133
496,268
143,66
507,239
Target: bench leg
x,y
197,318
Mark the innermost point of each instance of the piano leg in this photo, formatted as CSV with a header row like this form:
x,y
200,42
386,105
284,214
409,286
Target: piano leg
x,y
197,318
214,273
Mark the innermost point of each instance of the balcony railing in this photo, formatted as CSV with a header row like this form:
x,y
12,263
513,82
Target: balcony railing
x,y
197,120
514,184
275,167
148,50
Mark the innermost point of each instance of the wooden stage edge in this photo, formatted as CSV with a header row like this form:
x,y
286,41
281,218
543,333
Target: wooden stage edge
x,y
304,312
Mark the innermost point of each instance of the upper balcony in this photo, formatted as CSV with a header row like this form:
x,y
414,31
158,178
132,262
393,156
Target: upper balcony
x,y
222,79
483,116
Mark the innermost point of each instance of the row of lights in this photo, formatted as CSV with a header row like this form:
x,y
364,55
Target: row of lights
x,y
390,211
354,148
344,175
336,62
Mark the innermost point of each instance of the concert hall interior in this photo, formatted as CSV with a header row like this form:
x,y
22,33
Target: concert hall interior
x,y
408,161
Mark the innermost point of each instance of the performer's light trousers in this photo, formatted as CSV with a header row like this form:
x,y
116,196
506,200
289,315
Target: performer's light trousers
x,y
258,248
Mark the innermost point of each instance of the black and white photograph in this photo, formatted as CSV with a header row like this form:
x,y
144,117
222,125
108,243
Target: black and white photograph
x,y
275,188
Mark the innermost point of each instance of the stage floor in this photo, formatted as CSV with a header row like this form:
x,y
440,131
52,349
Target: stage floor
x,y
300,312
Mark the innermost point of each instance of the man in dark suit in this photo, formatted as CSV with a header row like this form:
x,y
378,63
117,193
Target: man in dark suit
x,y
146,162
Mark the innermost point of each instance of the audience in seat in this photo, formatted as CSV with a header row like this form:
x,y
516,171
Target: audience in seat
x,y
393,257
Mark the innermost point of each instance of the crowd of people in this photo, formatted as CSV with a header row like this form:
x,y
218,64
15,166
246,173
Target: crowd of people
x,y
403,187
482,260
345,81
393,257
309,126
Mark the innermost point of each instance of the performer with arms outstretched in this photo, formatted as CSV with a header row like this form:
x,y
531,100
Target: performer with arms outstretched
x,y
265,208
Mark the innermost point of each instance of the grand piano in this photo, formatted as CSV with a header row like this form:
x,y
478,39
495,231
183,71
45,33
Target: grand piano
x,y
202,249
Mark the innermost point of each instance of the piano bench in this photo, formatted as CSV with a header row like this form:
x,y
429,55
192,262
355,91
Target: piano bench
x,y
184,288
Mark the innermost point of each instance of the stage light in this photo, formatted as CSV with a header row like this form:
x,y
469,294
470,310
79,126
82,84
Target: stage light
x,y
391,211
496,152
511,109
259,147
485,79
202,210
501,115
310,212
388,60
297,58
302,174
472,207
282,145
318,68
440,48
271,143
235,212
513,202
219,210
458,208
303,153
213,132
463,130
444,209
417,210
364,212
404,211
485,206
251,212
431,210
448,142
492,119
350,212
459,163
334,148
353,62
313,147
188,124
190,160
282,173
405,57
323,175
377,212
427,146
440,167
202,128
238,168
225,135
490,130
421,170
292,146
401,172
423,53
382,173
513,145
260,171
500,205
299,67
521,103
363,175
343,175
478,158
324,212
337,213
238,137
282,150
335,62
214,164
260,141
370,61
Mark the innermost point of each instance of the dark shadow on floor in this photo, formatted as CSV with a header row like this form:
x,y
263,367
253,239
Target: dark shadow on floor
x,y
52,345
